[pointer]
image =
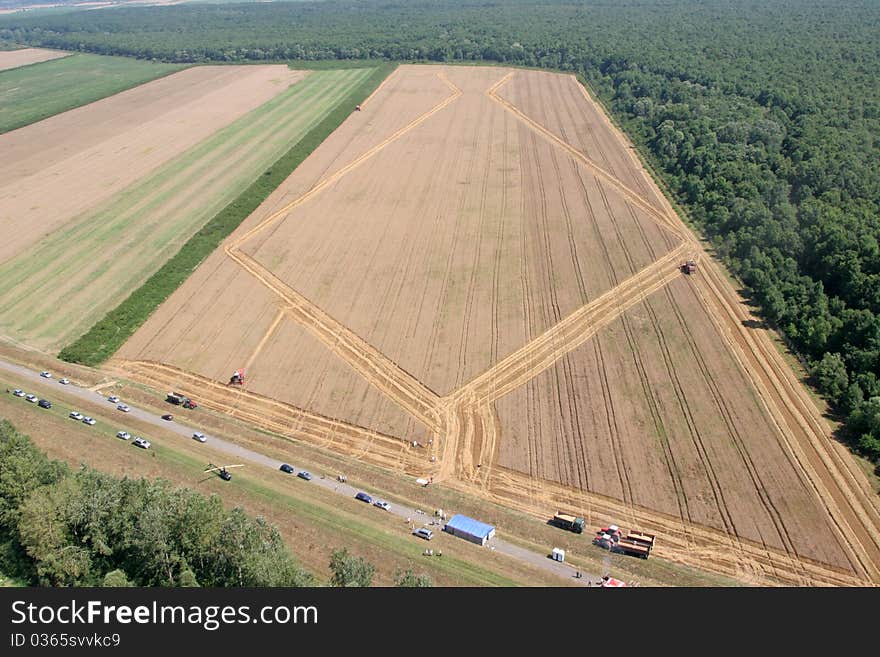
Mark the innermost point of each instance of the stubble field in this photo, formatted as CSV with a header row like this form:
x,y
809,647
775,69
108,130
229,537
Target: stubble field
x,y
24,56
478,247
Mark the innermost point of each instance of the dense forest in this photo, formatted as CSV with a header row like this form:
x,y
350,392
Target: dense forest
x,y
761,117
86,528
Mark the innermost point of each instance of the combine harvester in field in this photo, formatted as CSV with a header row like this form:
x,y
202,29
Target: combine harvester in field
x,y
237,378
635,543
689,267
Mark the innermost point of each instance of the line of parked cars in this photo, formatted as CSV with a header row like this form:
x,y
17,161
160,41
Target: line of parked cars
x,y
33,399
302,474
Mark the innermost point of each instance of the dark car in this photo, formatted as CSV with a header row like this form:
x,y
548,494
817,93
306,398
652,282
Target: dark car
x,y
44,403
168,417
287,468
363,497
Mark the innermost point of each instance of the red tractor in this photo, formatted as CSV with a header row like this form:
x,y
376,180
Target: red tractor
x,y
237,378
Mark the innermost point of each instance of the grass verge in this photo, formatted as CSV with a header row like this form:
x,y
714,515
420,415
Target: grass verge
x,y
110,333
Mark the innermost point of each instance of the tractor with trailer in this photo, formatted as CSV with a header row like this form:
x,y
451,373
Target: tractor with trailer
x,y
634,543
571,523
179,399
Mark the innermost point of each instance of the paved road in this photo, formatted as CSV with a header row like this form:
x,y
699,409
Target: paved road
x,y
241,453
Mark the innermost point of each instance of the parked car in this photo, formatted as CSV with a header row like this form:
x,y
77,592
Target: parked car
x,y
31,398
46,375
123,408
285,467
76,415
113,398
64,382
123,434
304,475
140,442
382,505
18,392
200,437
363,497
89,420
168,417
44,403
423,532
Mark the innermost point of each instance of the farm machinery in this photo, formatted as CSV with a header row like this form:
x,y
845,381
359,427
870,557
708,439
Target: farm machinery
x,y
237,378
569,522
179,399
689,267
634,543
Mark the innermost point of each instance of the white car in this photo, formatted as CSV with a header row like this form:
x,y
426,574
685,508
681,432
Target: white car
x,y
76,415
200,437
123,434
123,408
113,398
140,442
18,392
90,421
31,398
382,505
46,375
64,382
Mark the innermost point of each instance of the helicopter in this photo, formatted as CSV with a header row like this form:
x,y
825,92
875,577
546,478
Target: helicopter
x,y
223,470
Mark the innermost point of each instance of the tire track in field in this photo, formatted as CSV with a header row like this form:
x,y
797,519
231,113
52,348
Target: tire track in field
x,y
769,375
644,381
678,390
579,459
659,217
680,394
725,414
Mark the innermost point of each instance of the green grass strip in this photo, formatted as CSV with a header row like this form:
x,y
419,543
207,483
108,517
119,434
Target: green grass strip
x,y
110,333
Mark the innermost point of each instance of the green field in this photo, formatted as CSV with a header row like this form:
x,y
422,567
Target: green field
x,y
53,292
35,92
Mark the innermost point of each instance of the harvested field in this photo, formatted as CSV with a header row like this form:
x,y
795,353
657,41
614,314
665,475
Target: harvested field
x,y
15,58
143,225
655,412
511,237
33,93
560,104
493,260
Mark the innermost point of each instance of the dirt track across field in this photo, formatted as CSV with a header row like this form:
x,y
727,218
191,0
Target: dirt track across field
x,y
15,58
507,275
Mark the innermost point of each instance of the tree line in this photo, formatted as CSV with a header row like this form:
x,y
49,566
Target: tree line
x,y
761,117
60,527
86,528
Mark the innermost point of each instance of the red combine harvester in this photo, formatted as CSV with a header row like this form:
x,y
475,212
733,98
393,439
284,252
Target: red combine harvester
x,y
237,378
689,267
611,583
